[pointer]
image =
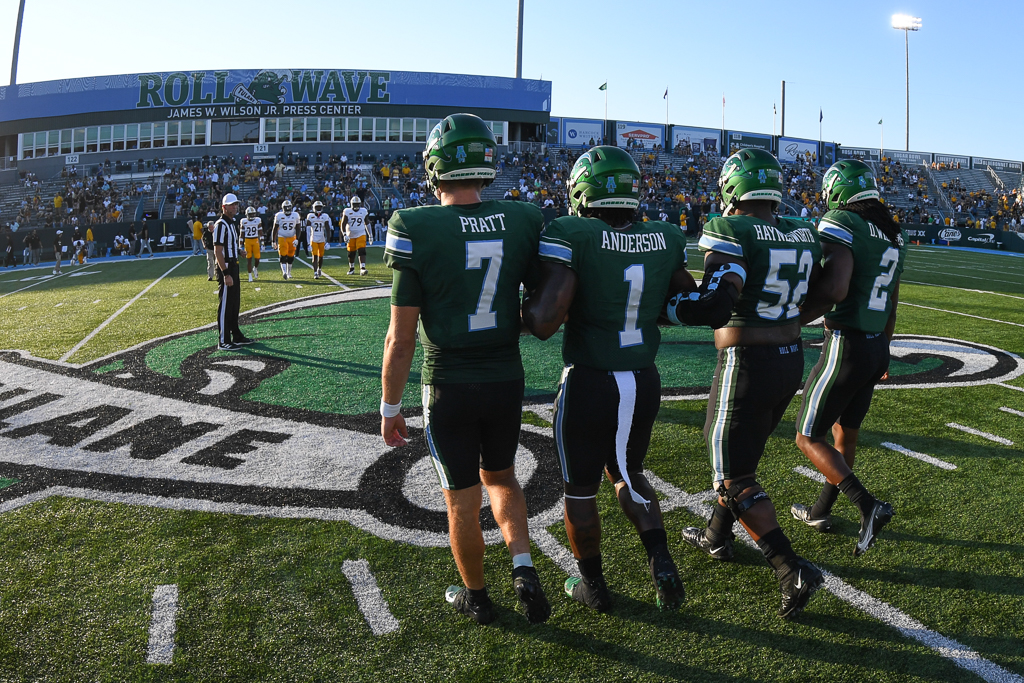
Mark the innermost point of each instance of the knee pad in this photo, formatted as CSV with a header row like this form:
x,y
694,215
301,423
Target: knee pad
x,y
362,252
730,495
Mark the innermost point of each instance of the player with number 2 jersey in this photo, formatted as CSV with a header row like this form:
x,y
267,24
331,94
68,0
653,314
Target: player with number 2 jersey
x,y
612,275
864,255
758,268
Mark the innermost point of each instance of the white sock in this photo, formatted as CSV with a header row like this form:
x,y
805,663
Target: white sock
x,y
522,560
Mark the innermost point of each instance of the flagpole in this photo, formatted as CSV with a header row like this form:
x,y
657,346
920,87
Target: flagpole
x,y
775,115
881,141
605,108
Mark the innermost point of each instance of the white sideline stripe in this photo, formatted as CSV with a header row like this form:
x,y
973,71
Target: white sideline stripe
x,y
959,654
1011,411
962,289
162,627
1009,386
369,598
121,310
810,474
920,456
39,282
978,432
325,275
966,315
687,397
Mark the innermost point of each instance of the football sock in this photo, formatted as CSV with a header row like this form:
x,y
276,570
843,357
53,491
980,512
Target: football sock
x,y
720,524
522,560
477,596
858,495
777,549
590,567
653,539
826,499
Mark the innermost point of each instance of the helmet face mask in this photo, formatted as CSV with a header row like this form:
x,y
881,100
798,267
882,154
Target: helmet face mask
x,y
460,147
846,182
604,177
751,175
318,207
355,202
286,206
250,212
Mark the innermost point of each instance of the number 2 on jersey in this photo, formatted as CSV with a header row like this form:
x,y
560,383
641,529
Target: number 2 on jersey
x,y
879,298
630,335
491,251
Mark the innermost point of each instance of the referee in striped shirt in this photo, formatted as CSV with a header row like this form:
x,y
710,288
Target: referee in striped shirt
x,y
225,250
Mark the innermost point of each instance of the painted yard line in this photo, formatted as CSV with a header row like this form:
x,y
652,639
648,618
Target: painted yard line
x,y
963,289
959,654
966,315
23,308
978,432
310,265
810,474
97,301
553,548
1011,411
1009,386
162,627
686,397
121,310
969,277
369,598
39,282
920,456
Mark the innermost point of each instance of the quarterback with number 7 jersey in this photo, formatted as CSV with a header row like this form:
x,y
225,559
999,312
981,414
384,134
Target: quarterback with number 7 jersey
x,y
758,267
457,272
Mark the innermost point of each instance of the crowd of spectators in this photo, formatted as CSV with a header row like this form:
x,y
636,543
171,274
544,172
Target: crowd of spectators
x,y
83,200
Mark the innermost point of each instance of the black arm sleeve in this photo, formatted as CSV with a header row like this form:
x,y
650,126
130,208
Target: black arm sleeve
x,y
711,305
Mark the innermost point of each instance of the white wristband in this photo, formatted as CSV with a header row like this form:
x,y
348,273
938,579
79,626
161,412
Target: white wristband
x,y
390,409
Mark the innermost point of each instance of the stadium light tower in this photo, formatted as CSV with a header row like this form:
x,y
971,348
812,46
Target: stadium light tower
x,y
519,42
17,43
907,23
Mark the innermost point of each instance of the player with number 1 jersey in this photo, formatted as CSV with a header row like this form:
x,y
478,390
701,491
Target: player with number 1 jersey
x,y
612,275
864,254
758,267
458,268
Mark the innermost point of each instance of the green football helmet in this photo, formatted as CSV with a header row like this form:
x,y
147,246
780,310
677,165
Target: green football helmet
x,y
604,177
460,147
846,182
751,174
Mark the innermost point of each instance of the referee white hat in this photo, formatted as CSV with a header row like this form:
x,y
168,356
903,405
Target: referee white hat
x,y
229,198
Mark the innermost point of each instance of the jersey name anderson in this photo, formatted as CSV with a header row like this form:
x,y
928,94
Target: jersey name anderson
x,y
483,223
633,244
773,234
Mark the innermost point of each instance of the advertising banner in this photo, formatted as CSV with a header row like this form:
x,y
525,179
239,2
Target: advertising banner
x,y
648,134
862,153
582,132
961,237
738,141
696,139
268,92
996,164
951,160
795,149
912,158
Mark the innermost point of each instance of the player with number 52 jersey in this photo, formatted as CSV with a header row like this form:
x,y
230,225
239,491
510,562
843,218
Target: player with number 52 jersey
x,y
864,254
458,268
612,275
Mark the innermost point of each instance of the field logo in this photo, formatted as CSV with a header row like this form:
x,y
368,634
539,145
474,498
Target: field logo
x,y
292,432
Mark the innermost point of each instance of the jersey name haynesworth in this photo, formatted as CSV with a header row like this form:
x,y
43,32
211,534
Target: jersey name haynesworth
x,y
772,234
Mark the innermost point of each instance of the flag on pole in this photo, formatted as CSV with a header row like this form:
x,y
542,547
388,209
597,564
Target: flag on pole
x,y
604,86
774,110
821,116
879,121
665,96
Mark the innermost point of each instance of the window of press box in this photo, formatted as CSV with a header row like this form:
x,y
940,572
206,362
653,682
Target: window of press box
x,y
235,132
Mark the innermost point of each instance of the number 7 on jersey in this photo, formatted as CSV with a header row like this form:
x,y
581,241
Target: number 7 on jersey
x,y
491,251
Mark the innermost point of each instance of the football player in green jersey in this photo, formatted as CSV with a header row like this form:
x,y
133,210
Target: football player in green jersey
x,y
457,272
864,254
612,275
757,270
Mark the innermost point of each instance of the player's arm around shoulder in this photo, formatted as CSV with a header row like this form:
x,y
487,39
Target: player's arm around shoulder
x,y
725,274
545,308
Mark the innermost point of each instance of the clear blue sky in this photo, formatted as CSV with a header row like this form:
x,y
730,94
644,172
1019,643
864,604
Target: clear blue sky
x,y
840,56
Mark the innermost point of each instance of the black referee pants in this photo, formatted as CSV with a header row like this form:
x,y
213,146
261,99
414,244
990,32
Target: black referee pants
x,y
230,301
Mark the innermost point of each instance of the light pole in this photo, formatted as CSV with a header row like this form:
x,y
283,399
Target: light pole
x,y
907,23
17,42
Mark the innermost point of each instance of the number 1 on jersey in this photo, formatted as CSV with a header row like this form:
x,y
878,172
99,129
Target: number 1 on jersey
x,y
630,335
476,253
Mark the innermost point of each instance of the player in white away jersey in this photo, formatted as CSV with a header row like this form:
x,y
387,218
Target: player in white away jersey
x,y
318,227
353,227
251,233
286,224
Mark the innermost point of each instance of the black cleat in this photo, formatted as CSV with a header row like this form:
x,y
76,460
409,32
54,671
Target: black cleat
x,y
481,612
871,525
669,587
803,513
228,347
244,341
698,538
531,594
593,593
798,586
